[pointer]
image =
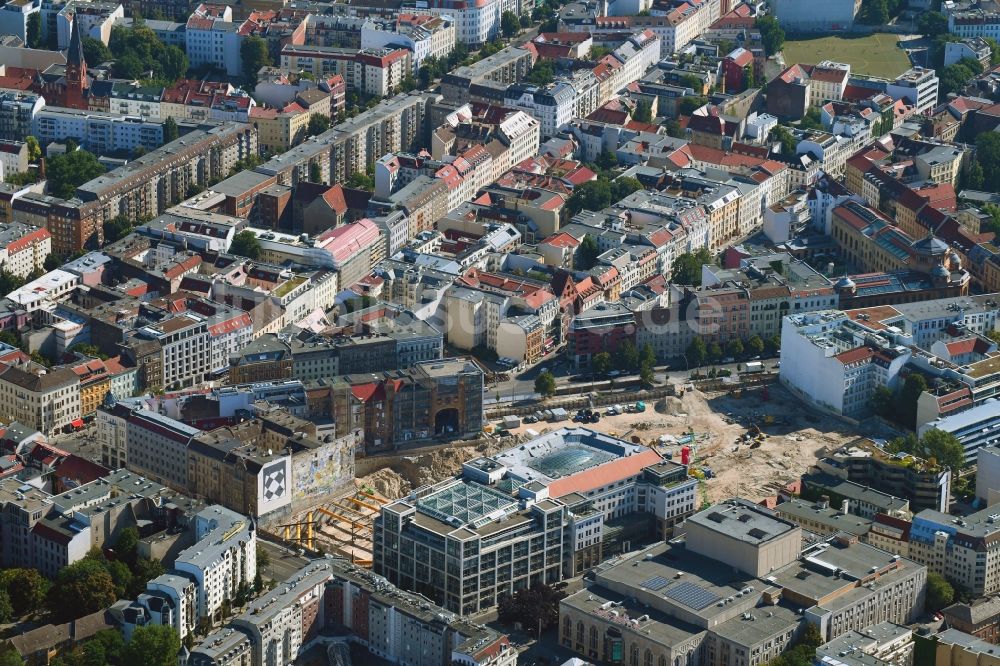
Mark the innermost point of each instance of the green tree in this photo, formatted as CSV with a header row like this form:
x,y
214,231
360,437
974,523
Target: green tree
x,y
972,175
954,78
787,140
253,56
647,355
152,645
545,384
525,21
542,74
646,375
137,50
755,345
593,195
34,150
87,583
689,105
943,447
143,571
6,608
170,131
315,173
932,24
509,24
117,228
626,356
606,161
812,119
696,352
536,607
361,181
882,401
874,12
127,546
245,244
318,123
27,589
906,405
988,156
10,657
643,111
735,348
66,172
686,268
263,556
714,352
33,30
771,34
940,593
95,52
623,186
601,364
587,253
52,262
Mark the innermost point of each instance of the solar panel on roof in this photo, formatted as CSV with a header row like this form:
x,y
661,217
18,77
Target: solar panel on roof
x,y
656,583
692,596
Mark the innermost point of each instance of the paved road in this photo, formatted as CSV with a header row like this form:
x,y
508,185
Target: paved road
x,y
284,563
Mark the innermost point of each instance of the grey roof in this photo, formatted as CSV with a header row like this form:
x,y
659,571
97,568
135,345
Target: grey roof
x,y
744,521
980,610
762,625
834,519
856,492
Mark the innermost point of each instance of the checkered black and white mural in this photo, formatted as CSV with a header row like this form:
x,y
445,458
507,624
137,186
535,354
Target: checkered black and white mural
x,y
275,486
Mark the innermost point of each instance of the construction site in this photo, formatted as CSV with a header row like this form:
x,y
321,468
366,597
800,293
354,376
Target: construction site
x,y
741,442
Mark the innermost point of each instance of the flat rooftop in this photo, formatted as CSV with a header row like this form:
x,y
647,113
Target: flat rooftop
x,y
743,521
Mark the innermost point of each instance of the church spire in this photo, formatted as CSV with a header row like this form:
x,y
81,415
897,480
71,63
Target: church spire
x,y
75,54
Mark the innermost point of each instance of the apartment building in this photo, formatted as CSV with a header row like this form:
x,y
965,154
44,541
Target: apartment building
x,y
155,445
961,549
918,86
212,38
44,399
334,595
223,560
99,132
375,71
423,35
23,248
545,511
503,68
17,113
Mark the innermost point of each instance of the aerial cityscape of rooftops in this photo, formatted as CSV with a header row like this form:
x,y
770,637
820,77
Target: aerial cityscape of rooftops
x,y
496,333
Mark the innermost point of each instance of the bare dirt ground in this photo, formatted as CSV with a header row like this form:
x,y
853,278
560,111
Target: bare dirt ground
x,y
795,438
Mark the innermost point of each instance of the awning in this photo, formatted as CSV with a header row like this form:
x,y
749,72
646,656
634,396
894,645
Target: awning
x,y
77,423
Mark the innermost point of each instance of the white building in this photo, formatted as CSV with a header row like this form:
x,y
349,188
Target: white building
x,y
97,131
552,107
424,36
809,16
687,21
96,20
836,363
14,18
988,469
23,248
975,428
918,86
223,559
213,39
475,22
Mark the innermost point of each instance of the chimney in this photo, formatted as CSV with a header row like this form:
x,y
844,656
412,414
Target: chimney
x,y
845,506
824,502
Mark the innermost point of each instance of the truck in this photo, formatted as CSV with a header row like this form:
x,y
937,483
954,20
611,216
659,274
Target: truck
x,y
752,366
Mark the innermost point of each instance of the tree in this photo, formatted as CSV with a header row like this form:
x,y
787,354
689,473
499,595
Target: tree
x,y
318,123
27,589
772,36
127,546
687,267
643,111
361,181
689,105
542,74
245,244
87,583
545,384
874,12
52,262
66,172
940,593
509,24
33,30
882,402
152,645
906,403
646,375
812,119
988,156
117,228
593,195
137,50
623,186
254,55
696,352
954,78
601,364
263,557
170,131
315,173
787,140
525,21
6,608
626,356
647,355
95,52
606,160
735,348
34,150
755,345
587,253
536,607
932,24
10,657
714,352
88,350
943,447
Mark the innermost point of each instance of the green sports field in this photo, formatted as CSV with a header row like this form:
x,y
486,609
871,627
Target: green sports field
x,y
875,55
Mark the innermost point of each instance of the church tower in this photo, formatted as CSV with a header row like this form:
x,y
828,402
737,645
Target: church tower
x,y
76,70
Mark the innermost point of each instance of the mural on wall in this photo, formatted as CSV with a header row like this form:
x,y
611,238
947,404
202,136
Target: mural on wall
x,y
324,471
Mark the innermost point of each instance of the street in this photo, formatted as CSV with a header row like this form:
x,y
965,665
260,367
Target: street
x,y
284,563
